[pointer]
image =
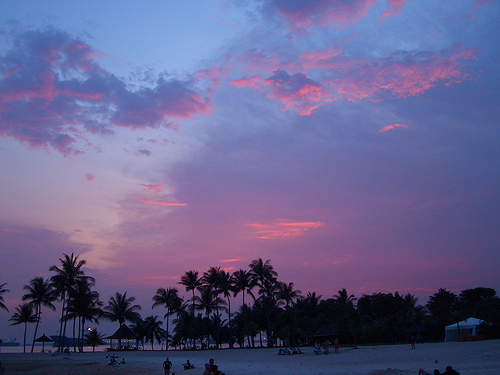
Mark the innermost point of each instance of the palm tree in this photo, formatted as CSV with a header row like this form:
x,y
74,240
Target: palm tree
x,y
192,282
226,287
64,279
24,314
84,305
39,294
287,294
2,291
346,311
263,275
153,330
241,283
260,270
94,338
121,309
169,298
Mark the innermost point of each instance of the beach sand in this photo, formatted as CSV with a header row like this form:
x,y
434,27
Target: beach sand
x,y
468,358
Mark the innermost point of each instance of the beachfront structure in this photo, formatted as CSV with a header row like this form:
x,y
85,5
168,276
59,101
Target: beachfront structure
x,y
467,327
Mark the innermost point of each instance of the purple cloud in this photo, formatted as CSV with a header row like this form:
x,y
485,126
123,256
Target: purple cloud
x,y
53,91
303,14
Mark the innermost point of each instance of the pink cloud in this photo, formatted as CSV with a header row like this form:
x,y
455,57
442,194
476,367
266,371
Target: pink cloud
x,y
297,91
156,187
391,127
395,7
53,91
283,229
321,58
252,82
403,75
303,14
230,260
163,203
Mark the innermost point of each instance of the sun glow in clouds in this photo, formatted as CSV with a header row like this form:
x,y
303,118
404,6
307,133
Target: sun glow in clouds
x,y
283,229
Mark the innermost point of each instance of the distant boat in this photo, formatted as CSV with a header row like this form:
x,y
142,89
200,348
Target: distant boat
x,y
10,342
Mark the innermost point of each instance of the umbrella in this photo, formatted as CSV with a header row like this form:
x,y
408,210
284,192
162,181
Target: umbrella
x,y
43,339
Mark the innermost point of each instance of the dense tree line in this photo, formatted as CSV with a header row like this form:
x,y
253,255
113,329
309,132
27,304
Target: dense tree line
x,y
275,314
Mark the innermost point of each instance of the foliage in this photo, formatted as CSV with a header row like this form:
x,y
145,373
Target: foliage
x,y
278,313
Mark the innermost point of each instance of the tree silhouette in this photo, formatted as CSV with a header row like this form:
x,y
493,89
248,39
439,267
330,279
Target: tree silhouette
x,y
65,278
24,314
120,308
94,338
39,293
192,282
153,330
3,291
241,282
83,305
168,298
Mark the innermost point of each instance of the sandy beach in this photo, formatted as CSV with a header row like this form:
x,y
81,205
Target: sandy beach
x,y
469,358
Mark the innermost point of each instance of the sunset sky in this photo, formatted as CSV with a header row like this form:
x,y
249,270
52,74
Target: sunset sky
x,y
355,143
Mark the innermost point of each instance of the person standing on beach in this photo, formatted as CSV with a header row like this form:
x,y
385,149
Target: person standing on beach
x,y
167,365
336,343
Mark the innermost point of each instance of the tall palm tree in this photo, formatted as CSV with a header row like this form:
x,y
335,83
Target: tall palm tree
x,y
226,287
83,305
65,277
209,302
346,311
39,293
241,282
2,291
263,275
170,299
24,314
192,282
153,330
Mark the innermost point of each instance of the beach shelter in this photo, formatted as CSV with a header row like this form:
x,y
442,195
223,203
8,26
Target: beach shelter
x,y
43,339
467,327
123,333
322,334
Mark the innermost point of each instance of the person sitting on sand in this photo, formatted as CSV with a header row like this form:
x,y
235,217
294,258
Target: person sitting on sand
x,y
422,372
450,371
209,367
188,365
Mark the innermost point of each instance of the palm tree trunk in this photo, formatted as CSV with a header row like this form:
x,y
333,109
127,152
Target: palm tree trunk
x,y
64,333
24,341
166,334
230,330
74,338
60,343
39,314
